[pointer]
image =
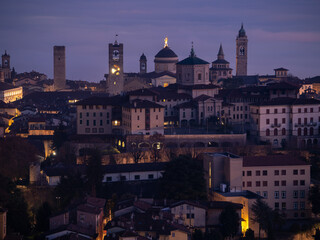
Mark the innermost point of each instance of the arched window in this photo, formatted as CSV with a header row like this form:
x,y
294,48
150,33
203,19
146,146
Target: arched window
x,y
311,131
299,131
283,131
267,132
275,132
305,131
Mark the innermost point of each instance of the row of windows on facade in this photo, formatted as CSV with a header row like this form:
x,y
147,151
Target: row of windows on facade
x,y
276,172
284,110
275,121
284,132
240,108
240,117
94,122
124,178
219,73
295,206
276,183
283,194
94,107
187,76
94,114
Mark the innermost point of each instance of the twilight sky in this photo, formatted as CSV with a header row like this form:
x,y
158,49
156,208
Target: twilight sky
x,y
282,33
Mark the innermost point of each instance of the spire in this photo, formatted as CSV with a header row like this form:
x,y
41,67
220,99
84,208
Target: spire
x,y
242,32
192,54
165,42
116,40
220,53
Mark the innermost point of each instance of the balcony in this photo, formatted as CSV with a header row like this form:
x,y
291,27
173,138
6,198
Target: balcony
x,y
276,125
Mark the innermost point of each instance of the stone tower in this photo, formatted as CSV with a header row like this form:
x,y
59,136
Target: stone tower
x,y
143,64
5,60
5,72
115,77
59,65
241,52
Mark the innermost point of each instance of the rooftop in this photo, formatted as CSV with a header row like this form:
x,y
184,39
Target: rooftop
x,y
272,160
288,101
166,52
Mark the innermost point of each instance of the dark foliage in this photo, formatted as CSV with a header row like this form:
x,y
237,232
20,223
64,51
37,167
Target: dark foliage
x,y
183,179
314,198
230,222
12,199
42,217
15,156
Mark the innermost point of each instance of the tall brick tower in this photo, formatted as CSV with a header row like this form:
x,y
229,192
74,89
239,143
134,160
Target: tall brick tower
x,y
5,71
241,52
115,77
143,64
59,67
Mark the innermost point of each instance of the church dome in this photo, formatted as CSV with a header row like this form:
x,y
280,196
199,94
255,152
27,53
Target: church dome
x,y
166,52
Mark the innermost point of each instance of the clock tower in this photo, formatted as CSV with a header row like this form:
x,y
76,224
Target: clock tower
x,y
115,77
241,52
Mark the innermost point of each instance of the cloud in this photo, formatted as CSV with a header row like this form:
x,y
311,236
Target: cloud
x,y
302,37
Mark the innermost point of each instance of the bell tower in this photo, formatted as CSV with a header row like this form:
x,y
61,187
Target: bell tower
x,y
115,77
241,52
5,60
143,64
5,72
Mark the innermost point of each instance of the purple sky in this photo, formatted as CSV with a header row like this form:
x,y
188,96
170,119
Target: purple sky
x,y
282,33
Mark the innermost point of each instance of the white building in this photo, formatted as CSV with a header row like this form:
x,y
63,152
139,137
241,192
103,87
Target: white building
x,y
286,120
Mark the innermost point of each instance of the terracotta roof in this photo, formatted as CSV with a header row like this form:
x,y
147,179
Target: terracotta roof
x,y
202,97
137,167
98,202
272,160
190,104
282,85
281,69
288,101
192,60
192,203
138,103
89,209
222,61
222,205
6,86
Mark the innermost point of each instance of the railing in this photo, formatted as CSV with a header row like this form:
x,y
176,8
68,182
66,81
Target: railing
x,y
275,125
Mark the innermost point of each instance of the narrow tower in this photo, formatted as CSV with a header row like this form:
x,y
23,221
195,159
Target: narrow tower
x,y
242,52
143,64
5,72
59,65
115,77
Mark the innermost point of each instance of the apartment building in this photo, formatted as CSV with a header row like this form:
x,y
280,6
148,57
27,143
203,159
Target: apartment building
x,y
286,120
283,181
142,117
98,115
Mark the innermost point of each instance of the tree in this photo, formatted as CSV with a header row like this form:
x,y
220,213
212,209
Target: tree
x,y
43,216
156,147
197,235
70,189
230,222
11,198
59,137
94,172
183,179
314,198
137,153
16,154
266,217
249,234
